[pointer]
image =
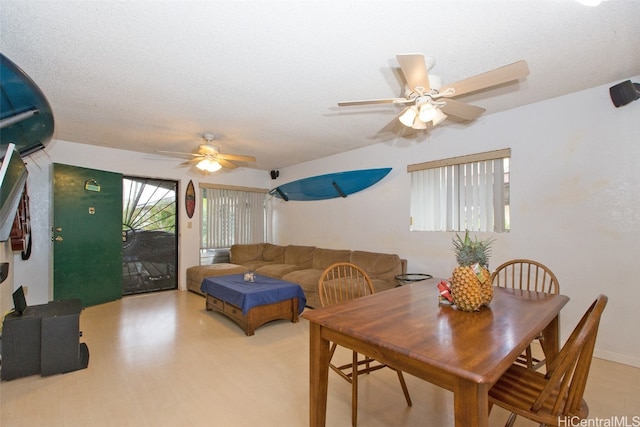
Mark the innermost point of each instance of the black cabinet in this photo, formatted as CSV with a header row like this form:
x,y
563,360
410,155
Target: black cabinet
x,y
45,339
20,346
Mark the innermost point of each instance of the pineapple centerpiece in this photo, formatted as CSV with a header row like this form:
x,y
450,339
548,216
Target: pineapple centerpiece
x,y
470,285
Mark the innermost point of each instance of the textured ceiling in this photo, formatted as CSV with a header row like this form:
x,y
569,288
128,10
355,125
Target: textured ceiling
x,y
265,76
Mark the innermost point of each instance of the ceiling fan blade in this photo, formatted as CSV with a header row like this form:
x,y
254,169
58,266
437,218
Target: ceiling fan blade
x,y
461,110
226,164
415,71
394,130
374,101
178,152
207,149
189,162
236,157
505,74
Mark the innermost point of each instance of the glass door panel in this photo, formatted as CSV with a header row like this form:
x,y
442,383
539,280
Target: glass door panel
x,y
149,235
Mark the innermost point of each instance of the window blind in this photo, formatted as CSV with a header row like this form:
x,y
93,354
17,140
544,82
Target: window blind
x,y
461,193
231,216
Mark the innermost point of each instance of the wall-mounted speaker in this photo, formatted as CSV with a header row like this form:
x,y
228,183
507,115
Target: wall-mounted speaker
x,y
625,92
275,174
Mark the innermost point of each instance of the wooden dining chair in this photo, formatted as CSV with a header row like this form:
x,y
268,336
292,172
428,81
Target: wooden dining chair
x,y
342,282
554,398
528,275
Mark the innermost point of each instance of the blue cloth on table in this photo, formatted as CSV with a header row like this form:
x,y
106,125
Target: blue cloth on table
x,y
265,290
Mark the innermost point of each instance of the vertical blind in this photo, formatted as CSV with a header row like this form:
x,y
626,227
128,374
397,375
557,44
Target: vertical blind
x,y
464,193
232,217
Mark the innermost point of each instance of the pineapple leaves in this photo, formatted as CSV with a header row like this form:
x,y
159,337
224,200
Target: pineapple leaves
x,y
471,251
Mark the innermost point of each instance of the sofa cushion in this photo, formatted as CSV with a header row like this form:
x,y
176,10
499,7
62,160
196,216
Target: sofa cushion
x,y
241,254
301,256
308,281
383,285
196,274
308,277
323,258
277,271
273,253
199,272
254,265
305,264
378,265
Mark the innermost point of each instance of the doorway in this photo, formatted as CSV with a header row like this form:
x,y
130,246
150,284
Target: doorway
x,y
149,235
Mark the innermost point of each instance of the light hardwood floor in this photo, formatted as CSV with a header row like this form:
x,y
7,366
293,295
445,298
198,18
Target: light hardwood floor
x,y
162,360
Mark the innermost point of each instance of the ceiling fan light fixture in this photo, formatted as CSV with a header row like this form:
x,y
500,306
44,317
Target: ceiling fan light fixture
x,y
208,165
408,116
419,124
439,117
427,112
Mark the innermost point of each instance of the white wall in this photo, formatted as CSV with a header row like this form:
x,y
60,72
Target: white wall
x,y
6,287
575,205
574,201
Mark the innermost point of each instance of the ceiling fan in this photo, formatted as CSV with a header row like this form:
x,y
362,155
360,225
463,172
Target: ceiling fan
x,y
209,158
429,104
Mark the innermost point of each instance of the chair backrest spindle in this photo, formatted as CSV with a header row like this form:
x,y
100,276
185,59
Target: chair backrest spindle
x,y
343,281
558,394
527,275
569,370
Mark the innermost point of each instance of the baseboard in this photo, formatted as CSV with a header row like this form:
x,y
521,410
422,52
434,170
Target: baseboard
x,y
617,357
600,354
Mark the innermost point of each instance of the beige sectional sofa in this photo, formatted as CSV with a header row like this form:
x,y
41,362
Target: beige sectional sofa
x,y
302,265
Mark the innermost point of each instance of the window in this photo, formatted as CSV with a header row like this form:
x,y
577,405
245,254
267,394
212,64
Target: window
x,y
461,193
232,215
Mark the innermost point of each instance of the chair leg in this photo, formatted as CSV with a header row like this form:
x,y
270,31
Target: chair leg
x,y
403,384
539,365
529,357
533,363
354,387
354,390
511,420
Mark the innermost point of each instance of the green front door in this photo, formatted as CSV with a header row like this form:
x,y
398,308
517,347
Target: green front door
x,y
87,234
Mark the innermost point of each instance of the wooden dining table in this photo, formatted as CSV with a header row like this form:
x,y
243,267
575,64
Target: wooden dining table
x,y
405,327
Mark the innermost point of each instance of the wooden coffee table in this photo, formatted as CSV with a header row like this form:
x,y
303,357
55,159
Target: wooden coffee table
x,y
252,304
